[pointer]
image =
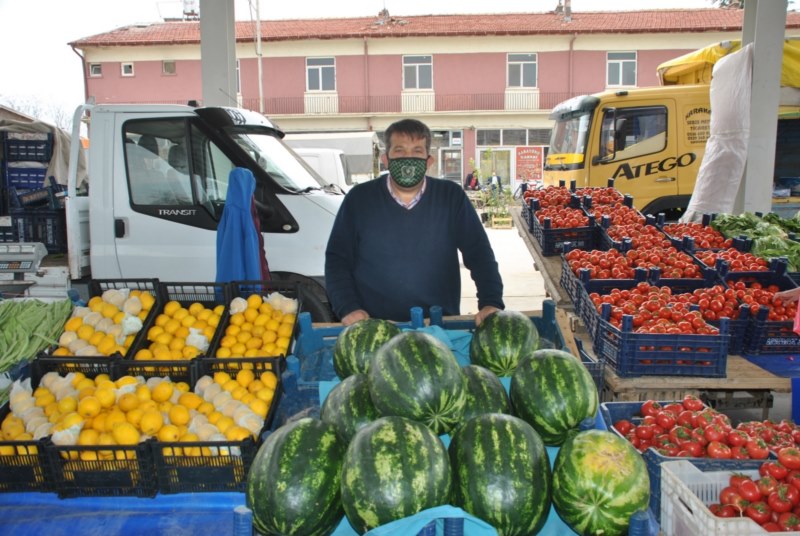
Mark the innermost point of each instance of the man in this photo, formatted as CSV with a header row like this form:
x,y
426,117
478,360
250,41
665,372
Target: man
x,y
395,242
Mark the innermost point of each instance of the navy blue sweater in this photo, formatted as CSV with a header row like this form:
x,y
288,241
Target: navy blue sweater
x,y
385,259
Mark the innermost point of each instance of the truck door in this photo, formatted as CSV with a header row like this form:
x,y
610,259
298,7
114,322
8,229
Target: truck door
x,y
637,147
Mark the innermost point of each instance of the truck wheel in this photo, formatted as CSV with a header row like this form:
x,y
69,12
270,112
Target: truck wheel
x,y
315,300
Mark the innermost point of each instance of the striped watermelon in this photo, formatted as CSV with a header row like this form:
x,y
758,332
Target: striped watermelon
x,y
502,339
485,393
348,406
393,468
294,484
599,482
501,473
416,376
553,391
356,344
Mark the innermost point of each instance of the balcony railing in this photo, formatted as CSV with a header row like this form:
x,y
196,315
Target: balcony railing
x,y
540,102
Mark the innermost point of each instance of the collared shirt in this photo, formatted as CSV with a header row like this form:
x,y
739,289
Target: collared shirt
x,y
411,204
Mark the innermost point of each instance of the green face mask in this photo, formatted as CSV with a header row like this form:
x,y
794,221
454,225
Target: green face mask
x,y
408,172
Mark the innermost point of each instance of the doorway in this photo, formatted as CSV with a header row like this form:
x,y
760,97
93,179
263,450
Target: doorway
x,y
451,165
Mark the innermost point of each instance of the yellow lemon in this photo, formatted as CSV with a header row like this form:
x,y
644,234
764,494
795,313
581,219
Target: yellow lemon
x,y
125,434
188,321
247,398
89,407
106,396
126,380
272,325
147,300
237,319
261,320
170,307
162,354
245,377
238,393
120,316
244,336
232,330
238,350
269,379
223,423
285,330
162,319
230,385
163,338
250,314
106,345
162,391
180,313
190,400
270,336
221,377
277,314
85,332
44,399
134,416
179,414
254,301
224,352
288,318
154,332
128,402
237,433
254,344
95,303
78,376
259,407
61,351
168,433
190,352
227,341
143,355
171,326
265,308
265,394
205,408
114,418
109,310
88,436
213,320
196,308
214,416
255,385
73,323
85,391
99,422
151,422
187,438
143,393
71,419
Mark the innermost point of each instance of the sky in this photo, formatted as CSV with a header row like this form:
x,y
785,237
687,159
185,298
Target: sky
x,y
42,74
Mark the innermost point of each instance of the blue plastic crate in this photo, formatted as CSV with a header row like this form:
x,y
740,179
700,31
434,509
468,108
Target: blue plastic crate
x,y
39,150
552,240
596,367
633,354
25,178
614,411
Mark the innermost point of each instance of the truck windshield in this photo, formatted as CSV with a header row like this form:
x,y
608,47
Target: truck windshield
x,y
569,135
279,162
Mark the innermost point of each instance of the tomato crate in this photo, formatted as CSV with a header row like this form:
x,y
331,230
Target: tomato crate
x,y
102,470
596,367
552,240
286,320
687,490
40,225
654,460
215,465
633,354
766,336
23,464
30,147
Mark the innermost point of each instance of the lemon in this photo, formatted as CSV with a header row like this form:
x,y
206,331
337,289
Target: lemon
x,y
125,434
180,313
188,321
244,336
285,330
147,300
120,316
162,319
73,323
171,326
230,385
182,386
71,419
109,310
270,336
222,377
189,352
227,341
89,407
61,351
168,433
245,377
151,422
134,416
99,422
237,319
219,310
162,391
250,314
223,423
126,380
95,303
128,402
44,399
224,352
213,320
254,301
106,396
170,307
237,433
265,394
205,408
259,407
85,332
190,400
214,416
143,393
269,379
255,385
265,308
178,414
114,418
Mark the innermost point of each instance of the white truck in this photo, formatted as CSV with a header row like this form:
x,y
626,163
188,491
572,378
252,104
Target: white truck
x,y
330,164
158,177
362,150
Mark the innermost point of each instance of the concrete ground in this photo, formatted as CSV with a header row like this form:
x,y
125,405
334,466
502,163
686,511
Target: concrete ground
x,y
523,290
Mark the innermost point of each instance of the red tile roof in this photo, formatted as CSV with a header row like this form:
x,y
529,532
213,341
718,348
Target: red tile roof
x,y
623,22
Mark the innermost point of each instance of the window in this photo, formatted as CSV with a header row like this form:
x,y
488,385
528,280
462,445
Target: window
x,y
631,132
621,68
514,137
127,69
168,67
321,74
538,136
522,70
417,72
95,69
488,136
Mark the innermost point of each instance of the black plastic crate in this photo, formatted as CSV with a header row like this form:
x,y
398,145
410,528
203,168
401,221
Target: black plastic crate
x,y
25,178
88,366
46,226
23,464
102,470
39,149
633,354
614,411
98,286
215,465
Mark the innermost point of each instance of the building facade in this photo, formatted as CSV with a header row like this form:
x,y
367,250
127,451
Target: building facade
x,y
485,84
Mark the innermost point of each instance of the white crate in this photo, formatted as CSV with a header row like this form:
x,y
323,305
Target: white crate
x,y
686,492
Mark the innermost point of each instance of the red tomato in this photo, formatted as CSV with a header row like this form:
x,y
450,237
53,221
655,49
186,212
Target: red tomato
x,y
623,426
774,469
749,490
757,449
789,457
650,408
766,485
718,450
758,511
778,501
714,433
772,526
737,438
692,403
645,431
788,522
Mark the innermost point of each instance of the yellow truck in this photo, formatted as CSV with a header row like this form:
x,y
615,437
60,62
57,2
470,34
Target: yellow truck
x,y
651,140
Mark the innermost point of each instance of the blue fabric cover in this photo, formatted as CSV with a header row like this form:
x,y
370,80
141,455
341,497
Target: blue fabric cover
x,y
238,249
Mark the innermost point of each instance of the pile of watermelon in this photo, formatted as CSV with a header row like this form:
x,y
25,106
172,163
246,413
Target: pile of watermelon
x,y
377,454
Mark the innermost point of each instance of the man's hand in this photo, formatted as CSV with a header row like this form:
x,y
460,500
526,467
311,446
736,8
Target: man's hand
x,y
355,316
483,313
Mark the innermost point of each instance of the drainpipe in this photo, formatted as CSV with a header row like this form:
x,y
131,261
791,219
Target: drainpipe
x,y
571,54
366,80
85,82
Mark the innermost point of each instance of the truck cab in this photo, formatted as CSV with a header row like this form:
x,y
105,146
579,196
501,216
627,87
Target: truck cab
x,y
650,141
158,178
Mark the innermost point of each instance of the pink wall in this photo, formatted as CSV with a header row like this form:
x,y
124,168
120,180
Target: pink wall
x,y
459,74
148,83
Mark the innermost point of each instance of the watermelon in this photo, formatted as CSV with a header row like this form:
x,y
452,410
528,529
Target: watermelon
x,y
502,339
599,482
501,473
485,393
416,376
553,391
393,468
348,406
294,485
356,344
